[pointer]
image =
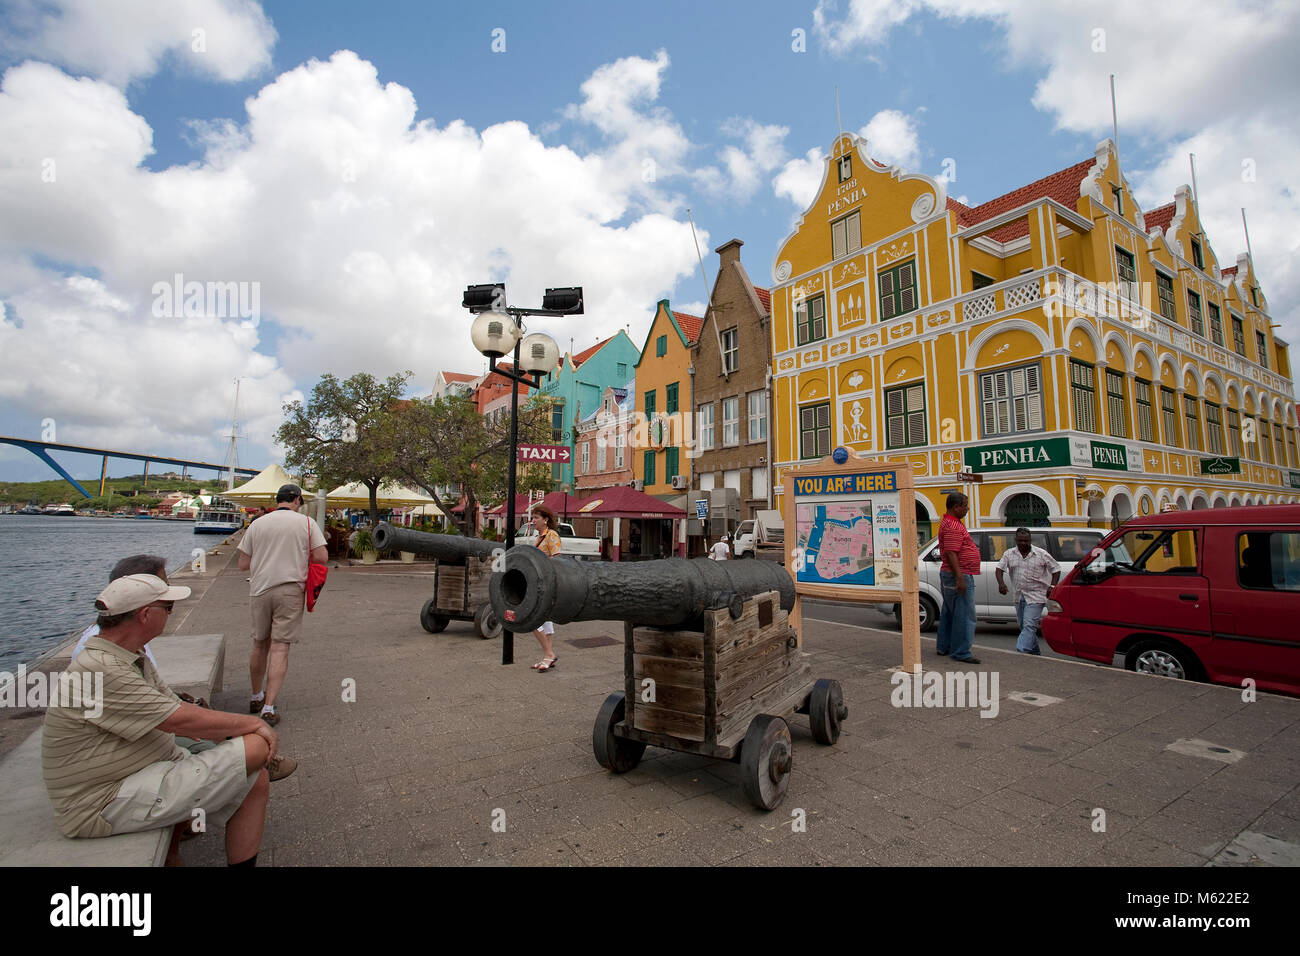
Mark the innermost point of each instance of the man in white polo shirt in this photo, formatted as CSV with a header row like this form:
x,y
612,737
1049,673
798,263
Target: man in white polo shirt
x,y
276,548
115,767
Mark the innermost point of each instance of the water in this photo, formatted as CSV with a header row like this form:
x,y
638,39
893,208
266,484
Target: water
x,y
51,569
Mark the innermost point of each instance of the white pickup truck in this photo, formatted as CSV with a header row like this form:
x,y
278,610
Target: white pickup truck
x,y
765,529
584,549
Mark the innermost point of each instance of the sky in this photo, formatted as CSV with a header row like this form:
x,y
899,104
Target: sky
x,y
332,175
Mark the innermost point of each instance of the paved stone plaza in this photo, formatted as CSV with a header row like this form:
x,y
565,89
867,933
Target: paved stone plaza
x,y
442,740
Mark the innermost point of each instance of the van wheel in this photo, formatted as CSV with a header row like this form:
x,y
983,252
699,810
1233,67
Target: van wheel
x,y
1164,659
929,616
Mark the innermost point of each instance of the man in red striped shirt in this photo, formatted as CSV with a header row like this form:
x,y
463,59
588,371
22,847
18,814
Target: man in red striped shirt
x,y
961,562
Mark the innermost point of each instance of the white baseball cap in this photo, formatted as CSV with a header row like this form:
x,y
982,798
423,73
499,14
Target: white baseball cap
x,y
134,591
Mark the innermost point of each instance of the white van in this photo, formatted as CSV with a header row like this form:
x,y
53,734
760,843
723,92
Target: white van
x,y
1067,545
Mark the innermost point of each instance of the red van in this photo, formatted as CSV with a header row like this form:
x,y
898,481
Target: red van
x,y
1200,595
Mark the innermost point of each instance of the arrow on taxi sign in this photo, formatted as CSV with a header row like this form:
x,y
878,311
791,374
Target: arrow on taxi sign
x,y
550,454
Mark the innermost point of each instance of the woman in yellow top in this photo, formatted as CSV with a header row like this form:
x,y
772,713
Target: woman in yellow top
x,y
548,540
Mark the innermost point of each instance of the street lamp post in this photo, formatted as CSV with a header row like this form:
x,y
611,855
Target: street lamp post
x,y
496,331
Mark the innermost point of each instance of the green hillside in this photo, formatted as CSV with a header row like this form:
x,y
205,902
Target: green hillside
x,y
129,491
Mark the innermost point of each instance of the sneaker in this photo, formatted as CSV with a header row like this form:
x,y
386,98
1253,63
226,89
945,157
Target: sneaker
x,y
271,717
281,766
255,706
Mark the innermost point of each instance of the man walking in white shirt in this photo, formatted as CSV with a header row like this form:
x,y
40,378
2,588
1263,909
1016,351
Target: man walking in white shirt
x,y
276,548
1034,574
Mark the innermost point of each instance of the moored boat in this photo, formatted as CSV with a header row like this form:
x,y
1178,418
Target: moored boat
x,y
220,517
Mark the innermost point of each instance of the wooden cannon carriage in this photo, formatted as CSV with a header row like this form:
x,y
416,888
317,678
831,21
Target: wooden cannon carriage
x,y
462,570
711,664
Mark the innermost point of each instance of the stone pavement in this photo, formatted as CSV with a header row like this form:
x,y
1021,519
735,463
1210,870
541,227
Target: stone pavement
x,y
442,741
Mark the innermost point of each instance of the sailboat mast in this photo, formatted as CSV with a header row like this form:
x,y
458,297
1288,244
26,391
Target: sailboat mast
x,y
234,441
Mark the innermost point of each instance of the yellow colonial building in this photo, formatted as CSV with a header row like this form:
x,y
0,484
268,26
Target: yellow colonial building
x,y
1087,360
663,399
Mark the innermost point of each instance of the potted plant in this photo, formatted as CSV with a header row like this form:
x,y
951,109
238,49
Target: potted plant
x,y
363,543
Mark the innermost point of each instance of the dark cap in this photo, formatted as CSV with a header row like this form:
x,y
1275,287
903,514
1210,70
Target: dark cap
x,y
288,493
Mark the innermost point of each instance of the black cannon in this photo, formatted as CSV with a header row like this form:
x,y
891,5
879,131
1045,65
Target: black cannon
x,y
444,547
711,664
461,574
673,592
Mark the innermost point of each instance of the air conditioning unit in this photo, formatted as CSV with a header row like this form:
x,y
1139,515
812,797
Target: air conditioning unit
x,y
639,485
679,481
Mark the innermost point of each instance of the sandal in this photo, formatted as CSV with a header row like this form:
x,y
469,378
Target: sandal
x,y
545,664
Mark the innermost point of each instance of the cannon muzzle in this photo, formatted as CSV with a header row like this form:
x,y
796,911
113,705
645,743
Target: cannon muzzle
x,y
673,592
444,547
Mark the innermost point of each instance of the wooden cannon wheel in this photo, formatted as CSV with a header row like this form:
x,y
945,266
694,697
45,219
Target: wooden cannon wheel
x,y
487,624
766,758
826,710
430,619
612,752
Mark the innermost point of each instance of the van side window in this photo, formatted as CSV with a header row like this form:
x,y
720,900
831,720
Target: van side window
x,y
1269,560
1152,551
1073,547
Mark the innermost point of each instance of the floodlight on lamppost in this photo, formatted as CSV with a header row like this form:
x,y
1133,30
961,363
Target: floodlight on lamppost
x,y
496,330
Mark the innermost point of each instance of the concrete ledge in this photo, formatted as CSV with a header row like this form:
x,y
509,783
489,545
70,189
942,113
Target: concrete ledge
x,y
29,837
192,664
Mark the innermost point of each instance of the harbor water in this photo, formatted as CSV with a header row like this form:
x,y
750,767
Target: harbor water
x,y
51,569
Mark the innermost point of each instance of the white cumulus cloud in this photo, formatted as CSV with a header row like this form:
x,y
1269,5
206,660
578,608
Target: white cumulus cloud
x,y
124,40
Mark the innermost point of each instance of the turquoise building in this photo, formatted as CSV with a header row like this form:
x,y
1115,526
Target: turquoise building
x,y
575,388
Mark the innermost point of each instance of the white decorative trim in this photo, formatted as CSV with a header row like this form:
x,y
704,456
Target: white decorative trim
x,y
1006,494
1090,185
923,207
782,271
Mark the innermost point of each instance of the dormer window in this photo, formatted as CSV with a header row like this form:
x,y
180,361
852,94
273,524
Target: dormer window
x,y
1198,259
846,167
1118,193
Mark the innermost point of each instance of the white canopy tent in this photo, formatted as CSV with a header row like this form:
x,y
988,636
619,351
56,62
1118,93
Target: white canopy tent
x,y
390,495
260,490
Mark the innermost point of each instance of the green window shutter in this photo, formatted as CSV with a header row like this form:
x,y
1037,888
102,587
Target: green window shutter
x,y
649,404
661,345
670,398
670,464
648,471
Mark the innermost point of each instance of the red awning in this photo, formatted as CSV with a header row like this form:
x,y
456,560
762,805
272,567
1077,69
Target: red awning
x,y
624,502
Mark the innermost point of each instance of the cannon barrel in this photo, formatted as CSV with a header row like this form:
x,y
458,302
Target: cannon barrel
x,y
444,547
673,592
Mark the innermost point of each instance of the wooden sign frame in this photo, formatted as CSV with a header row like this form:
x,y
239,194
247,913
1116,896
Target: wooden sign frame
x,y
904,486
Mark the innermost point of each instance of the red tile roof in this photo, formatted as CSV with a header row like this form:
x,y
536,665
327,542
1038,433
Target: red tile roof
x,y
1161,217
1062,186
458,377
764,296
690,325
588,353
1229,271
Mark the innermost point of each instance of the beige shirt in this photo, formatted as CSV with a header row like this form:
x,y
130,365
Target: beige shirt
x,y
277,545
84,759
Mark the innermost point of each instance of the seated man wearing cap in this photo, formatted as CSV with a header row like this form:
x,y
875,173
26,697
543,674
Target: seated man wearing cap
x,y
277,548
115,768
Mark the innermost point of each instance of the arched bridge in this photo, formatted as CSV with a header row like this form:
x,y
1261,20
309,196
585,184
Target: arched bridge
x,y
42,449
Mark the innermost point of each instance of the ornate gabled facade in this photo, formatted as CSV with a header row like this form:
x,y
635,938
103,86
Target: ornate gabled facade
x,y
1087,360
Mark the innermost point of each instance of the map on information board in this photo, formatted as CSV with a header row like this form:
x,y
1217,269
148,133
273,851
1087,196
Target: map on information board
x,y
837,542
852,537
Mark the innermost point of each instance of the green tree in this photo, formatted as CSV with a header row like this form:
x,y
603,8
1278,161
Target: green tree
x,y
337,435
433,443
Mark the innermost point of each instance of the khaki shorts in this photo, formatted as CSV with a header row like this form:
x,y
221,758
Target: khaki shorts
x,y
166,793
277,613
